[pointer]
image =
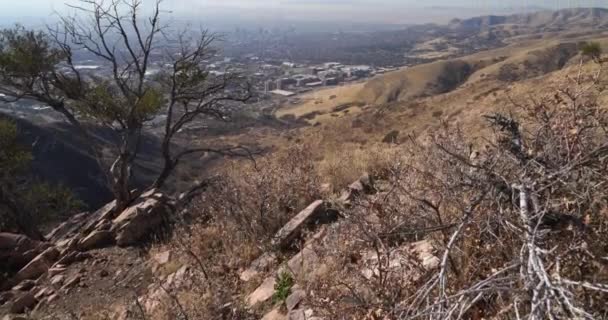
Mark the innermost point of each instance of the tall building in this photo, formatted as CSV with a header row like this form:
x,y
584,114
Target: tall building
x,y
269,85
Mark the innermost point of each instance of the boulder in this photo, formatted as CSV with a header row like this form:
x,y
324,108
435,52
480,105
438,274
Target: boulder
x,y
262,293
304,263
139,220
96,239
294,299
315,213
23,302
39,265
17,250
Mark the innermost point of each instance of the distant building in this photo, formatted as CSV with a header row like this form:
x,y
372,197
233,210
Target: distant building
x,y
284,82
314,84
283,93
331,65
289,64
359,71
303,79
331,81
269,85
331,74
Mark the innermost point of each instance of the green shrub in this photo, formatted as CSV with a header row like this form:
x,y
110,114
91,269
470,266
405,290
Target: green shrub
x,y
282,287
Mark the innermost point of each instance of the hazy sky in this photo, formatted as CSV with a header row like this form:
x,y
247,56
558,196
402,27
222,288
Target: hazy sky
x,y
362,11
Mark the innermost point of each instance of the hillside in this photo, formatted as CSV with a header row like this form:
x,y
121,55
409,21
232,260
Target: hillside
x,y
469,187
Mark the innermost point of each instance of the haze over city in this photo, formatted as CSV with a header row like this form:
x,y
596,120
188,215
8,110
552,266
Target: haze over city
x,y
333,14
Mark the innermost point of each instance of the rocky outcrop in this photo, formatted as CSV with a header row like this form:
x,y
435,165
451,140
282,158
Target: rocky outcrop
x,y
18,250
39,265
68,243
139,220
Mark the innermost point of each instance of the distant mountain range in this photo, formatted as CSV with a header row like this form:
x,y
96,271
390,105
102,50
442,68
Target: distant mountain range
x,y
548,20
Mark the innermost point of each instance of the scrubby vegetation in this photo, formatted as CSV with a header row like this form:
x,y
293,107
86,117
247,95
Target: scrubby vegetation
x,y
25,202
515,222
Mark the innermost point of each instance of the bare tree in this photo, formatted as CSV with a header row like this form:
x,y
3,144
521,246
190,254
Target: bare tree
x,y
40,66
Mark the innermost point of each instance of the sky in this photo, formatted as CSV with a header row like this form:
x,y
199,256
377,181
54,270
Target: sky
x,y
233,12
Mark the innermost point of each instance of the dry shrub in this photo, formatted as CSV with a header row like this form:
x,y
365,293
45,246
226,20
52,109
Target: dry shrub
x,y
518,223
257,199
234,221
340,167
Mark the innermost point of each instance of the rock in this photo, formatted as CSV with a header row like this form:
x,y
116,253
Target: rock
x,y
24,302
303,263
57,269
17,250
177,278
261,264
25,285
73,257
57,280
404,261
294,299
43,293
297,314
346,196
39,265
300,314
71,282
104,225
262,293
364,185
424,249
275,314
139,220
14,317
162,258
96,239
326,188
68,228
6,296
52,298
313,213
